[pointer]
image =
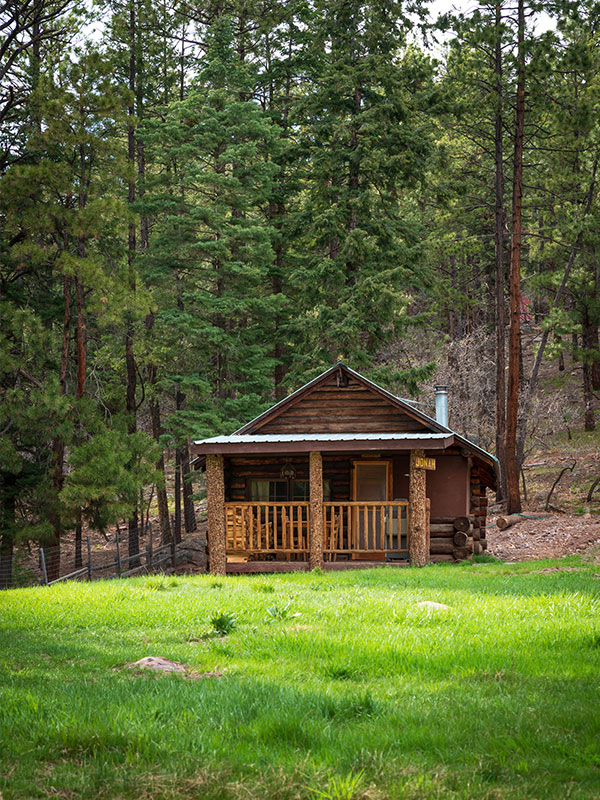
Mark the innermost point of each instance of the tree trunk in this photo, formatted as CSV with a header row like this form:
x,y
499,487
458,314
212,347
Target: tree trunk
x,y
177,531
189,515
512,407
594,345
587,361
58,446
78,556
7,542
132,523
500,313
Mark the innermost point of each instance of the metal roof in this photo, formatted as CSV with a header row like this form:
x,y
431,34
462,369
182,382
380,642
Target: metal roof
x,y
257,438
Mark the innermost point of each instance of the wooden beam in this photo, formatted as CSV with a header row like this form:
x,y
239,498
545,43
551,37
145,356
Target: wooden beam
x,y
316,510
419,523
215,496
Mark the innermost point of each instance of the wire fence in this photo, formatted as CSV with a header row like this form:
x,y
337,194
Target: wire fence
x,y
122,554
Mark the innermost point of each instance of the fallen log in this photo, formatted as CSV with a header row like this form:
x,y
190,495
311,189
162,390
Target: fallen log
x,y
508,521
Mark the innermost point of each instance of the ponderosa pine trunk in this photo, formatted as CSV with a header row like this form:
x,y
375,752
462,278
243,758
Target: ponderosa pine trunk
x,y
132,523
514,348
7,542
500,312
189,514
589,420
58,445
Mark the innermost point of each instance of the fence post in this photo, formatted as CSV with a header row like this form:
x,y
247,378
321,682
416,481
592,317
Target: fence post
x,y
173,551
44,570
118,553
149,548
89,549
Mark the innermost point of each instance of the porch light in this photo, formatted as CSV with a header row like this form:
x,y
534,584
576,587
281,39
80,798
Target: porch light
x,y
288,471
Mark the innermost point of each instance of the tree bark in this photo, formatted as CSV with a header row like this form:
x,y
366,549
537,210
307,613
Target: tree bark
x,y
189,515
589,423
7,542
215,497
133,522
315,469
512,405
500,313
58,446
417,495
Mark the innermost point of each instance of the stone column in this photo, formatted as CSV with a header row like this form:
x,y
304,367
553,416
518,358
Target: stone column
x,y
215,497
316,510
418,544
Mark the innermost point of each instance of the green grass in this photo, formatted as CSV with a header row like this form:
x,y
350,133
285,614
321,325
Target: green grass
x,y
353,692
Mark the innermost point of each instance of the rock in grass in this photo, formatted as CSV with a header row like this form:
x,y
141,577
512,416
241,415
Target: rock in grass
x,y
431,604
157,663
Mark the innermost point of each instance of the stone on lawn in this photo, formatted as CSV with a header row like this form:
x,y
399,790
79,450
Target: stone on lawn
x,y
431,604
157,663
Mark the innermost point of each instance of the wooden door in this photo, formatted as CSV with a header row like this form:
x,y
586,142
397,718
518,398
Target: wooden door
x,y
371,484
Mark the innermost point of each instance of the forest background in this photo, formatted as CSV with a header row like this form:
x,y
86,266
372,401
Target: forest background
x,y
204,205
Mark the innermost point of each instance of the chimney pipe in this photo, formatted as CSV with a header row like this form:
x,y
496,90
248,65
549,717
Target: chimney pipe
x,y
441,405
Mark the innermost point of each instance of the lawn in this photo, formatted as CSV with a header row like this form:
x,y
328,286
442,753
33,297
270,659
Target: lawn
x,y
334,685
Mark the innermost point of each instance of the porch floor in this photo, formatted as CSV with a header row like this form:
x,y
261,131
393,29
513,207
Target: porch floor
x,y
255,567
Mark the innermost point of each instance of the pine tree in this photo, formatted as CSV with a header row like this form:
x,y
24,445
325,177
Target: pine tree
x,y
366,140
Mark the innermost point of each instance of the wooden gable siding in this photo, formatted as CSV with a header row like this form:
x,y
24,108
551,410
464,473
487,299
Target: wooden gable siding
x,y
354,408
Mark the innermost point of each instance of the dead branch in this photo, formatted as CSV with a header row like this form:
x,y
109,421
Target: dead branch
x,y
555,484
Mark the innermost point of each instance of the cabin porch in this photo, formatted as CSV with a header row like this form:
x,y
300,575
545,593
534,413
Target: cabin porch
x,y
352,530
316,509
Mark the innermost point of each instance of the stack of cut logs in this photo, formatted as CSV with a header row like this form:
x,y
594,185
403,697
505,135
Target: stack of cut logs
x,y
478,512
450,539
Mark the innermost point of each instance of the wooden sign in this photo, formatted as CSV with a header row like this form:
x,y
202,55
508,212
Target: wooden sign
x,y
424,463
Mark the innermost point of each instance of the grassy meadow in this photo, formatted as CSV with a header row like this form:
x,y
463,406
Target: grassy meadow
x,y
334,685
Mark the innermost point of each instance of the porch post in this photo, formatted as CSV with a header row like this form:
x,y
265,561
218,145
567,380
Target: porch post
x,y
315,463
418,545
215,497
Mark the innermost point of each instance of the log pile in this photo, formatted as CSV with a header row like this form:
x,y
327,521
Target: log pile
x,y
449,540
478,512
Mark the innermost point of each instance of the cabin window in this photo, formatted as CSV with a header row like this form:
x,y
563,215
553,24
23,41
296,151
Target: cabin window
x,y
284,491
268,491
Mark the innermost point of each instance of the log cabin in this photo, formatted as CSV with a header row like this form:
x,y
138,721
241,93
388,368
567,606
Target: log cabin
x,y
344,474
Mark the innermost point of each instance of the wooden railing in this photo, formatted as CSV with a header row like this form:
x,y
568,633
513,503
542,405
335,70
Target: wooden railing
x,y
267,527
360,527
349,527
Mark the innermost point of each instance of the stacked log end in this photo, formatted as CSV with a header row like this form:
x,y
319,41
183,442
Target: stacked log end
x,y
449,544
478,512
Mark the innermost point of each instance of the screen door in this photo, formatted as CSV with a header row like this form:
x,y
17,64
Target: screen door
x,y
370,485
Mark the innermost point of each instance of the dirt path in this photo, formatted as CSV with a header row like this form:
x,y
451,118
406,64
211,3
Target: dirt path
x,y
551,537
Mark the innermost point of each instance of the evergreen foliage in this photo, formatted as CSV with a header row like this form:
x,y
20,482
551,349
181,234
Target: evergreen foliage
x,y
203,206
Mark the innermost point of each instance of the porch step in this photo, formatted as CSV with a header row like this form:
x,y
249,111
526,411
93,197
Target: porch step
x,y
254,567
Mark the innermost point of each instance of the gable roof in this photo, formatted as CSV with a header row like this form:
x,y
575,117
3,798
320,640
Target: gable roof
x,y
430,434
342,371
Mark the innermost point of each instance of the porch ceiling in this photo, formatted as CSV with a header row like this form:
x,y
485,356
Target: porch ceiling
x,y
304,443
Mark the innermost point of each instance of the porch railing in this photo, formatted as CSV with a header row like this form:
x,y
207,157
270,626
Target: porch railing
x,y
348,527
267,527
361,527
